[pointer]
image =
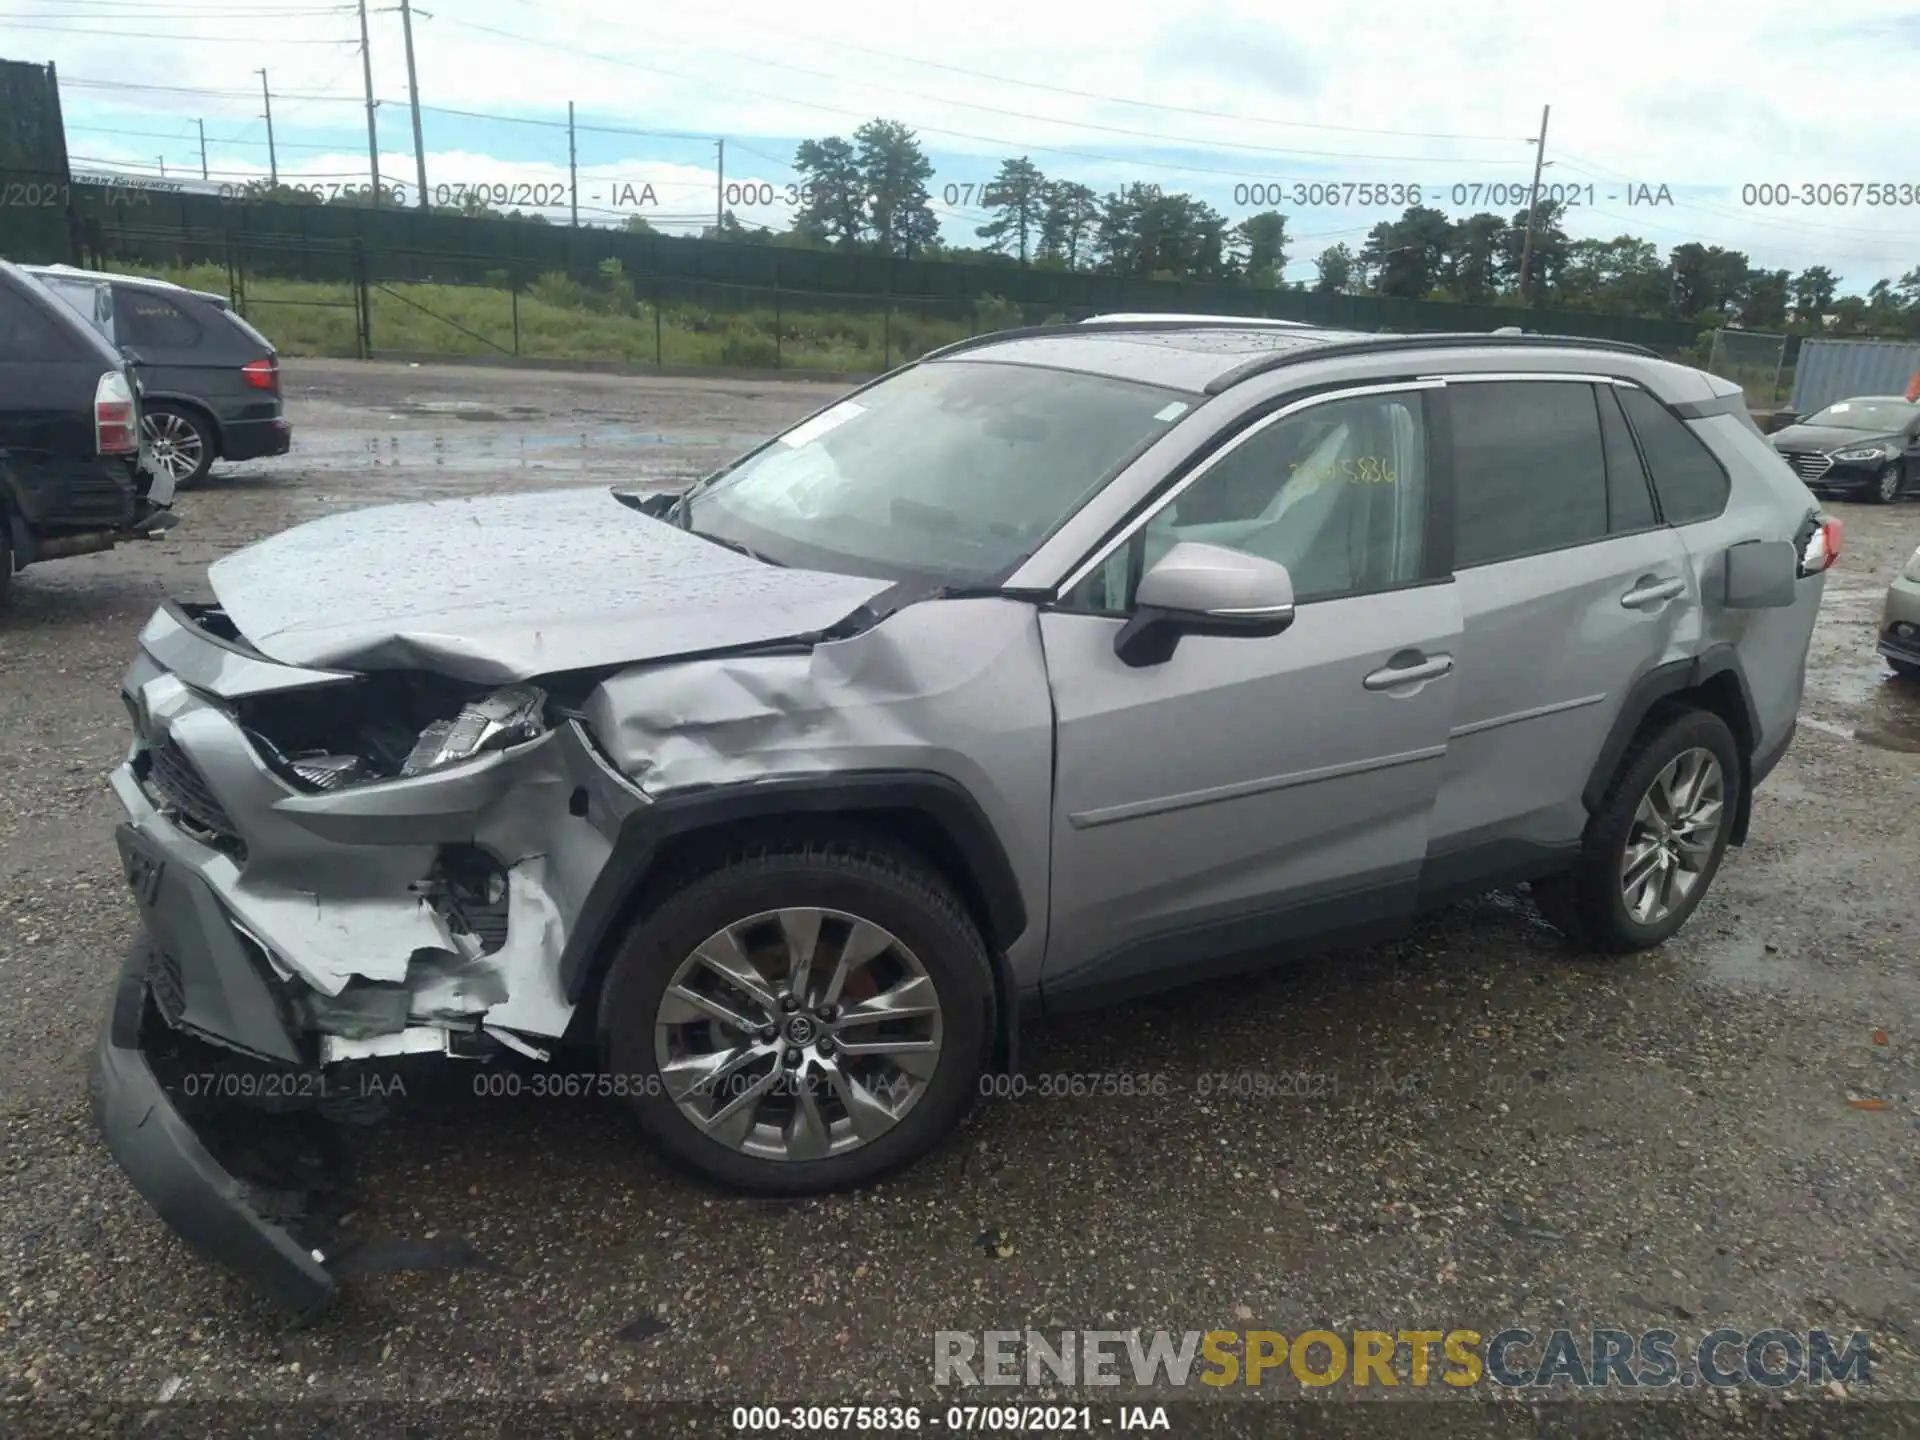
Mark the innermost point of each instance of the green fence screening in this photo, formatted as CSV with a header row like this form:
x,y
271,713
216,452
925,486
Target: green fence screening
x,y
354,245
35,221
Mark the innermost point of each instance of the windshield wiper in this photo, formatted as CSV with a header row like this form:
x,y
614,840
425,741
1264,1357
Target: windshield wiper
x,y
736,547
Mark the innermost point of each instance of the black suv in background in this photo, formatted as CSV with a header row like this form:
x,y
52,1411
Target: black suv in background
x,y
72,478
210,381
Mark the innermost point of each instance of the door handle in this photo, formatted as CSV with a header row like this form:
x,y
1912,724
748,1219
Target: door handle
x,y
1650,590
1392,677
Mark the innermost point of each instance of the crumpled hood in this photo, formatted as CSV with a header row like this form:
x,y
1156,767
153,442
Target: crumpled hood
x,y
1825,438
506,587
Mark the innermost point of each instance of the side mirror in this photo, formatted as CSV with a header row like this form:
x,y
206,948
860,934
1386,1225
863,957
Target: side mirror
x,y
1761,575
1204,590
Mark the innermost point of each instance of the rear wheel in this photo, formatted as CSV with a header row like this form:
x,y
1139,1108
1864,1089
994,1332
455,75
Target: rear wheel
x,y
181,443
801,1017
1656,842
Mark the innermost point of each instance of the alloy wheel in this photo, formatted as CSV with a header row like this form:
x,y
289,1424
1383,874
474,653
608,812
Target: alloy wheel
x,y
1671,841
1889,484
798,1034
177,447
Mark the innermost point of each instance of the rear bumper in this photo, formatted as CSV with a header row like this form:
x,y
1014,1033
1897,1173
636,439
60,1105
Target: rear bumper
x,y
172,1167
252,439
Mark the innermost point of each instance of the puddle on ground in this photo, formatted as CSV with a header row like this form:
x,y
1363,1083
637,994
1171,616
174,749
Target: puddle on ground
x,y
601,450
1879,708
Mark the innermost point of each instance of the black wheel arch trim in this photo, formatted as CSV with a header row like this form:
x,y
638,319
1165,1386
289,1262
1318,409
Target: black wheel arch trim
x,y
1661,683
940,799
187,402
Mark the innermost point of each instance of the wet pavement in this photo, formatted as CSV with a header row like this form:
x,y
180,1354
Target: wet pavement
x,y
1472,1127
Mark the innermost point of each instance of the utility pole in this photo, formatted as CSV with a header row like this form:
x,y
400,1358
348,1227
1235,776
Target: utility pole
x,y
273,158
373,133
1533,202
573,169
203,147
163,167
413,97
720,187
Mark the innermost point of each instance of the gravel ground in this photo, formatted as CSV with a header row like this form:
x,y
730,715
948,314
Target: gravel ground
x,y
1489,1131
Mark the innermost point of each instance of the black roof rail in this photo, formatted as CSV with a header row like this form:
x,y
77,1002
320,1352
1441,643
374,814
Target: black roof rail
x,y
1108,327
1308,347
1438,340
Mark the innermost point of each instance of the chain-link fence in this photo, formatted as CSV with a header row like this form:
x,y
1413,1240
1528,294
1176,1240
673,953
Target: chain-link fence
x,y
1753,360
418,304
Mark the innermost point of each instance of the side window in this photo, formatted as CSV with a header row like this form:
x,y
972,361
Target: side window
x,y
1336,493
28,334
1629,497
144,318
1689,481
1530,472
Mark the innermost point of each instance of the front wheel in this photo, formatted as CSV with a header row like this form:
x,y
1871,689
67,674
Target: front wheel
x,y
1654,845
1886,485
1905,669
801,1017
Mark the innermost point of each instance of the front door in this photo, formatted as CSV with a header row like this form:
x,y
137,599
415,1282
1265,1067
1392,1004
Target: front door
x,y
1253,790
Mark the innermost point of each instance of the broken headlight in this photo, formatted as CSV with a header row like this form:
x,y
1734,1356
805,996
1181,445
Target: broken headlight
x,y
493,722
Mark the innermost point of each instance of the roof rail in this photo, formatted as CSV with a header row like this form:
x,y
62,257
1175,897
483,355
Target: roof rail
x,y
1231,322
1438,340
1138,324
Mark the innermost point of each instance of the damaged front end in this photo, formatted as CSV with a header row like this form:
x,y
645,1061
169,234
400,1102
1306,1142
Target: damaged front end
x,y
334,870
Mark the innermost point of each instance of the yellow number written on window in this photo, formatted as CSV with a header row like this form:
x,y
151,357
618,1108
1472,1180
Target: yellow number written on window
x,y
1353,470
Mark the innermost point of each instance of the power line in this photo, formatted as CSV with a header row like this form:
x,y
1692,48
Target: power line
x,y
839,44
1814,226
999,141
196,39
213,140
79,83
1186,140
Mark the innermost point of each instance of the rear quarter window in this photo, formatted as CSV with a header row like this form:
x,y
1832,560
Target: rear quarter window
x,y
31,334
1690,482
145,317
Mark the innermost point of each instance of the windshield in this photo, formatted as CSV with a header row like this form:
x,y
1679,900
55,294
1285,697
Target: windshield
x,y
1880,415
954,470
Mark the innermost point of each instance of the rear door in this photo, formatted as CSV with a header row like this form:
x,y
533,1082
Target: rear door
x,y
1252,790
1570,589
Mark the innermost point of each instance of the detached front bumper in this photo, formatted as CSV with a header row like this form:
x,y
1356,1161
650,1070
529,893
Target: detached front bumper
x,y
173,1168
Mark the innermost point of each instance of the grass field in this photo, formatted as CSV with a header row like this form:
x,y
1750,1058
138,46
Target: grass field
x,y
562,318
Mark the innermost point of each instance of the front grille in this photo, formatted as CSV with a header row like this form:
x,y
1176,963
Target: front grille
x,y
177,781
1808,465
163,978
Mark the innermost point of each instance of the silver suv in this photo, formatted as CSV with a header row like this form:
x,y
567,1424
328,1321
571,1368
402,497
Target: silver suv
x,y
1061,665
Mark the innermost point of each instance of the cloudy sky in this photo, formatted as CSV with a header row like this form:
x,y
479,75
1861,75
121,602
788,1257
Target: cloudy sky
x,y
1707,100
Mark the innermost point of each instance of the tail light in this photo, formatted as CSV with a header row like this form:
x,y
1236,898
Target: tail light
x,y
116,421
263,374
1822,548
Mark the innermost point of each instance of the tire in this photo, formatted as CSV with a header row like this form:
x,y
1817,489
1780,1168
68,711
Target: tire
x,y
1905,669
182,441
1887,484
650,1043
6,557
1591,902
